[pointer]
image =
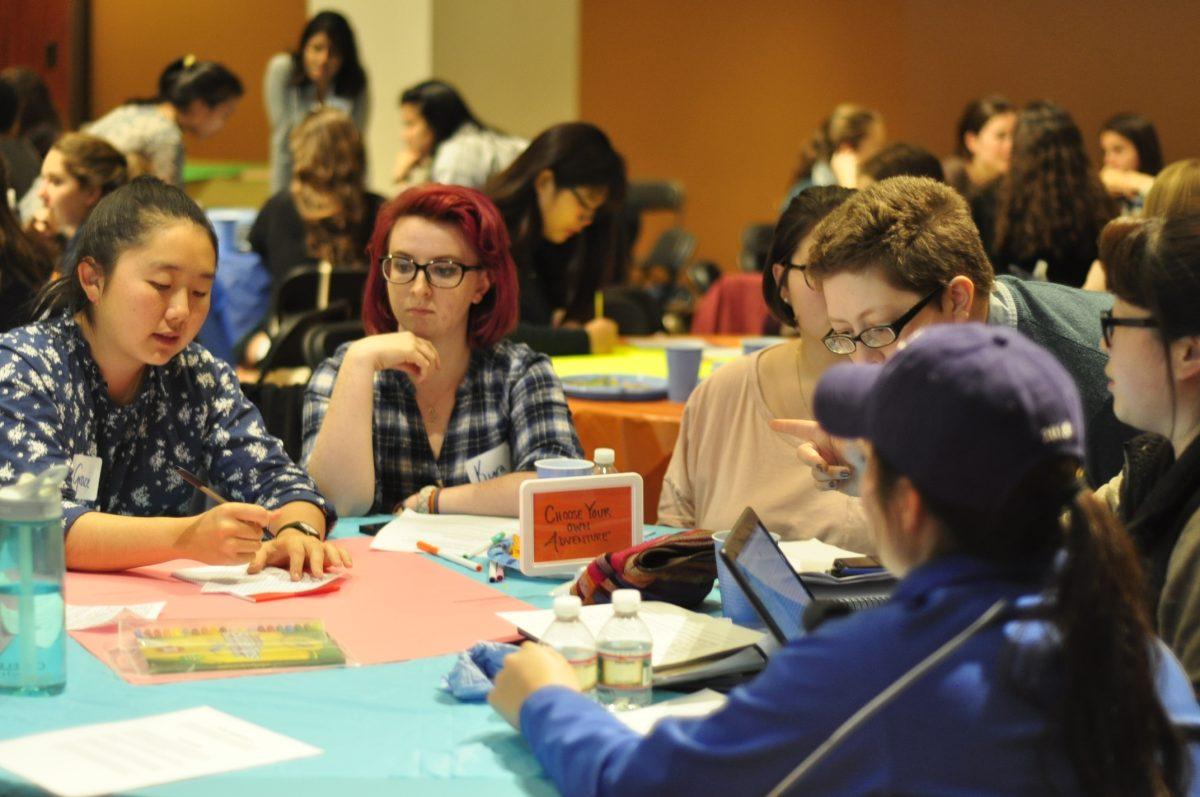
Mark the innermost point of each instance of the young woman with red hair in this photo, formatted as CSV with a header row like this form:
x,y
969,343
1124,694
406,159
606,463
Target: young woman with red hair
x,y
432,411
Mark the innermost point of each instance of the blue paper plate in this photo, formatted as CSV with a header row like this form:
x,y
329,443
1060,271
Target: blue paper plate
x,y
615,387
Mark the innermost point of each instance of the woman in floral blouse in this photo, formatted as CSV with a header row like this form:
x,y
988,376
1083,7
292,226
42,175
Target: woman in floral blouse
x,y
432,410
112,385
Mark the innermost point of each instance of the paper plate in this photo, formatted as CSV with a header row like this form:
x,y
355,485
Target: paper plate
x,y
615,387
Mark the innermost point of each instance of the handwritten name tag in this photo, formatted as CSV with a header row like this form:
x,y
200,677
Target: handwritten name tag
x,y
490,464
85,476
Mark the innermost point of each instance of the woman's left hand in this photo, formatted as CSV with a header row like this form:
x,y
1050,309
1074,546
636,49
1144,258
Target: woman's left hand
x,y
529,669
292,548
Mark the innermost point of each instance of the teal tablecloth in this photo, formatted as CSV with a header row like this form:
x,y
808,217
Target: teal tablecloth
x,y
385,729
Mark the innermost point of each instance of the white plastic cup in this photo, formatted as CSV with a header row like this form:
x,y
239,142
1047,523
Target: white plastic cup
x,y
683,369
561,467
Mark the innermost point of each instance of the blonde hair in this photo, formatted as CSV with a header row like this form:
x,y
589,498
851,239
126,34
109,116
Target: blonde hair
x,y
327,184
1176,190
93,162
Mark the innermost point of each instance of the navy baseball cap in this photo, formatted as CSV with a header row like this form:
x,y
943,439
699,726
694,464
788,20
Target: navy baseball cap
x,y
963,410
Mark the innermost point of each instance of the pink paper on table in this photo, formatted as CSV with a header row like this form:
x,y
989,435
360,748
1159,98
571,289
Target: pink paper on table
x,y
391,607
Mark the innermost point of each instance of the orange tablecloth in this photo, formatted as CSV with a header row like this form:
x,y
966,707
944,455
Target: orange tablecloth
x,y
642,433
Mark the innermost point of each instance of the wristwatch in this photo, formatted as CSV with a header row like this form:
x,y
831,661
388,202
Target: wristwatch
x,y
300,526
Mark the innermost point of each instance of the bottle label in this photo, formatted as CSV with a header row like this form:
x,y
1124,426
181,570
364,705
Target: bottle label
x,y
625,671
585,671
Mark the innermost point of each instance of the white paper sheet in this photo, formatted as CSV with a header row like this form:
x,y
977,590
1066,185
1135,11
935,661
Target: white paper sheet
x,y
81,617
813,556
234,580
679,635
132,754
453,534
697,704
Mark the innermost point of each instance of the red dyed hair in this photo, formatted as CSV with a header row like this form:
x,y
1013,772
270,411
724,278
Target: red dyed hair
x,y
482,229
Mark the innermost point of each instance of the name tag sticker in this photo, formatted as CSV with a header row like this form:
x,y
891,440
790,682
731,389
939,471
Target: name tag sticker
x,y
490,464
85,476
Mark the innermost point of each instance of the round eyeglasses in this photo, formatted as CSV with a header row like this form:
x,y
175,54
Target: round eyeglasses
x,y
443,272
878,336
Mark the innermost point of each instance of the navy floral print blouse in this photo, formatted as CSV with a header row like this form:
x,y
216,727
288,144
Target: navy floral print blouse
x,y
191,412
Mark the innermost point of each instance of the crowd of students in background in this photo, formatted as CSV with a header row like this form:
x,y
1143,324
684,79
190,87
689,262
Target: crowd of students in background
x,y
1019,428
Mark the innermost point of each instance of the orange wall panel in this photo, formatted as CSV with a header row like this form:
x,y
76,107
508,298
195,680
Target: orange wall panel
x,y
132,40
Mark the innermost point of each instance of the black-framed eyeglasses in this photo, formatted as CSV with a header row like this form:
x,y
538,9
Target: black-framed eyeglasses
x,y
588,207
443,272
878,336
1108,322
801,267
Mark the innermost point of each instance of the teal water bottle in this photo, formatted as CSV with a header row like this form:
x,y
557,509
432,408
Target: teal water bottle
x,y
32,612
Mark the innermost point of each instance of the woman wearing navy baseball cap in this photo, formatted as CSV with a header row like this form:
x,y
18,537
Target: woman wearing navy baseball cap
x,y
1014,656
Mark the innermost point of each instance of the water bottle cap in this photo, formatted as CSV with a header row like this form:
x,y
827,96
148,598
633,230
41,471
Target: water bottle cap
x,y
566,607
626,600
604,456
34,496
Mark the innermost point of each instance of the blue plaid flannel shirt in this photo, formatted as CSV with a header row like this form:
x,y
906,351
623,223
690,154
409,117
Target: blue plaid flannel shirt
x,y
510,396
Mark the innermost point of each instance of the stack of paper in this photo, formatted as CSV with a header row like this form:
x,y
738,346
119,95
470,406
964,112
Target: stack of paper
x,y
813,556
81,617
271,582
680,636
452,534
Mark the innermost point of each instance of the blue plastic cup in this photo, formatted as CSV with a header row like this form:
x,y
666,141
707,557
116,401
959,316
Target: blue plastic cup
x,y
560,467
683,369
751,345
734,603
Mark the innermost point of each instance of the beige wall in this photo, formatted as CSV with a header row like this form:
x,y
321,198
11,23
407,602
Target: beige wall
x,y
521,81
721,96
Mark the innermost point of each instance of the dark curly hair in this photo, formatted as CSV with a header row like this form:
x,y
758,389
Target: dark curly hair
x,y
1051,205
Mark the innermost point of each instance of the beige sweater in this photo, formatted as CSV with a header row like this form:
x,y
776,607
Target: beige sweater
x,y
728,458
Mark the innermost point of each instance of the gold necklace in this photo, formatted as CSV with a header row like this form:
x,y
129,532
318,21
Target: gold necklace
x,y
430,411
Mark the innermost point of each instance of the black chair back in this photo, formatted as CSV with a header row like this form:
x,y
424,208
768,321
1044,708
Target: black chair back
x,y
671,252
322,340
756,244
306,288
634,310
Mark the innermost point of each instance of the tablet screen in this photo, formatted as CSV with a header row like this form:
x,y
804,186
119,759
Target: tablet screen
x,y
773,582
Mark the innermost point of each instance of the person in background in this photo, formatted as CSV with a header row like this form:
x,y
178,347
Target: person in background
x,y
561,201
1050,679
725,444
79,170
849,136
1152,336
1044,216
112,385
323,71
194,97
444,142
18,154
25,265
1131,157
903,255
325,213
38,121
1175,191
432,411
983,148
898,158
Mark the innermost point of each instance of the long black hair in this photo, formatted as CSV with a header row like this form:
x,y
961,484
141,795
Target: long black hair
x,y
798,219
1107,713
21,258
442,107
1141,133
120,221
351,79
187,79
578,154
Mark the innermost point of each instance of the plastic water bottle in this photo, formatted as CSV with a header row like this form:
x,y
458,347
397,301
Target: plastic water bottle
x,y
624,646
604,459
570,637
32,613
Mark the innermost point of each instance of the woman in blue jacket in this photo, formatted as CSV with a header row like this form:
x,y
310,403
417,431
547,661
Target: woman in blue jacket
x,y
1054,682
